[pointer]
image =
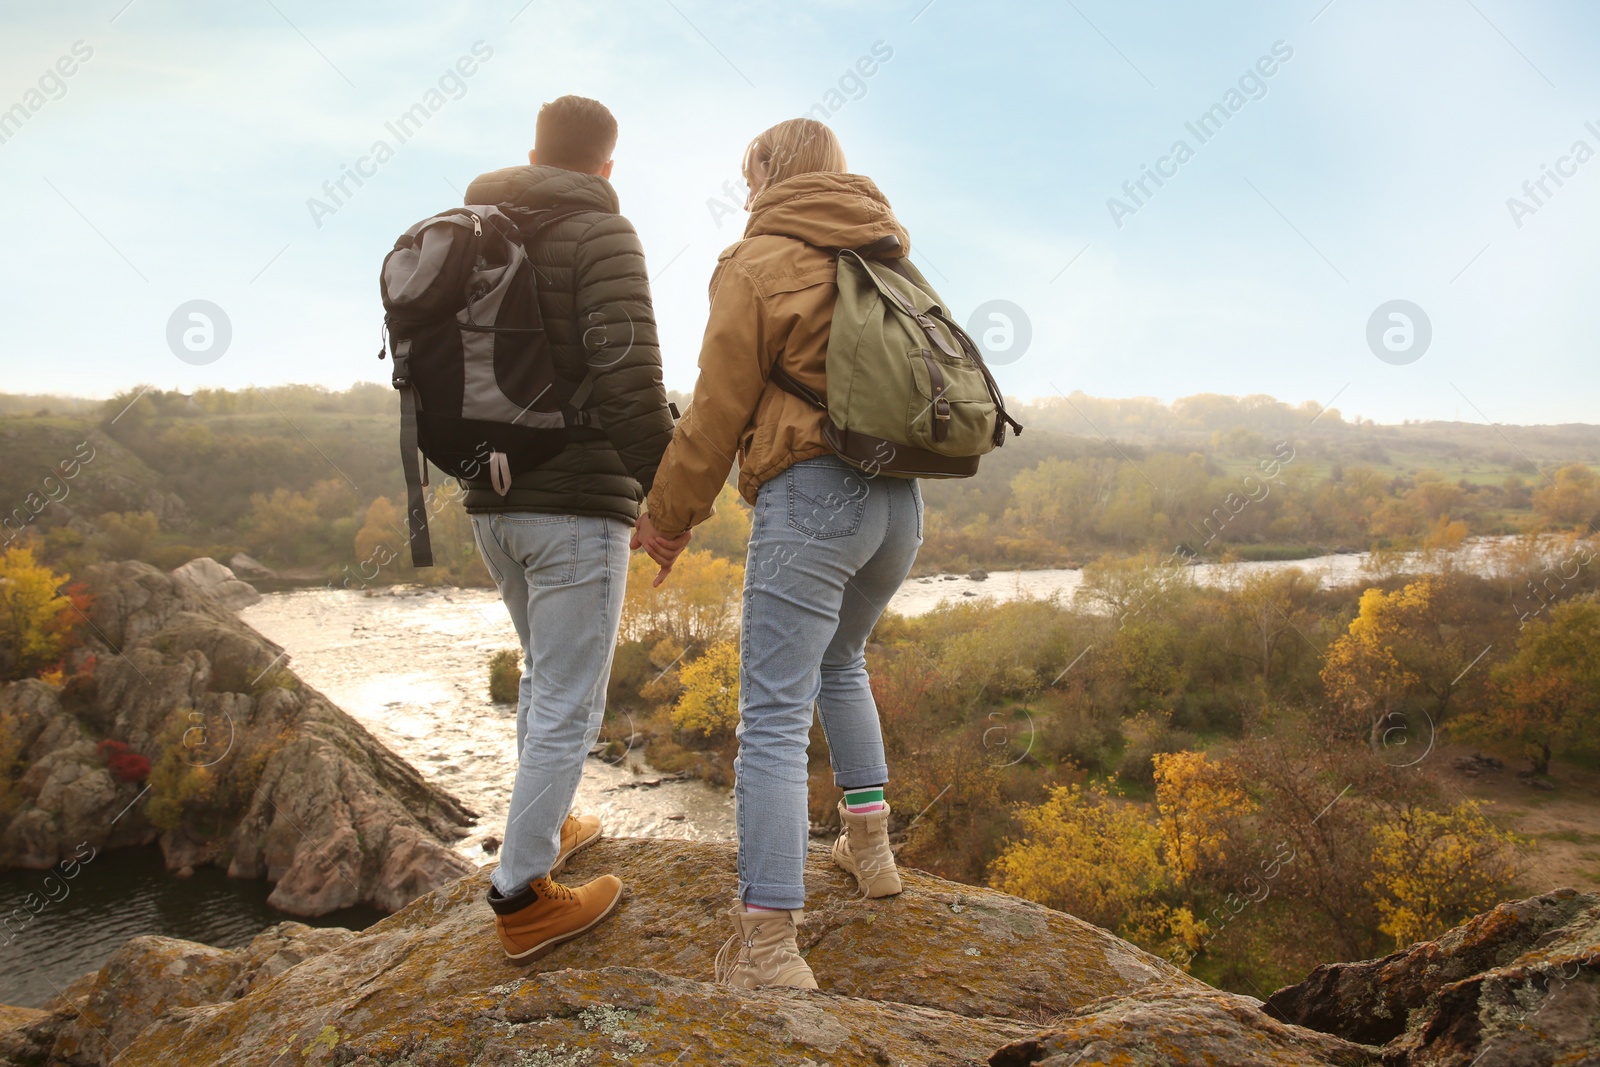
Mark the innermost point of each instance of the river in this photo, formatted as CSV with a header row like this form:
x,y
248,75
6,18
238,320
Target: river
x,y
412,666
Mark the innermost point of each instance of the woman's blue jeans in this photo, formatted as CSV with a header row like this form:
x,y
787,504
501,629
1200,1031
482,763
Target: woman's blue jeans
x,y
828,547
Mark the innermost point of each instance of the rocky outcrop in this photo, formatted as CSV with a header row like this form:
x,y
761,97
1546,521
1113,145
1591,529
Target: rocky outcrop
x,y
942,974
218,582
1165,1027
149,977
1518,985
248,768
250,569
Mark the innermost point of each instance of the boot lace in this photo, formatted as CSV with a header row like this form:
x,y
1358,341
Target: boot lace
x,y
723,967
551,889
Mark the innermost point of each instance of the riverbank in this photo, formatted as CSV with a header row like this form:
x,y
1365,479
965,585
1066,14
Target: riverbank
x,y
412,666
124,893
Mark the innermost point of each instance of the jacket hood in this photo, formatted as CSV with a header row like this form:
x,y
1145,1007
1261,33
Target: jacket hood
x,y
544,187
828,210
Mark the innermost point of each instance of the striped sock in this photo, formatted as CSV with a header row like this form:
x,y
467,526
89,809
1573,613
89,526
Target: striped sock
x,y
862,801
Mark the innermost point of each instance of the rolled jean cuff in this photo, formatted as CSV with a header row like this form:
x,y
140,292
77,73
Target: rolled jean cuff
x,y
772,896
862,779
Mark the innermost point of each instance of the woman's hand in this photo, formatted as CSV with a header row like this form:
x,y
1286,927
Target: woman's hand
x,y
664,550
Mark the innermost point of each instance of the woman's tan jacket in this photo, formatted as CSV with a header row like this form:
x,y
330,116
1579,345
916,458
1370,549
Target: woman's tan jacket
x,y
772,297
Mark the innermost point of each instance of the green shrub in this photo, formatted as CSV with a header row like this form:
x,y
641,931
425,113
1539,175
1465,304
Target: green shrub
x,y
505,676
1148,735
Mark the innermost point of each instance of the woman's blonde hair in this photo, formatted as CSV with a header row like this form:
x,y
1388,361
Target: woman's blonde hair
x,y
795,146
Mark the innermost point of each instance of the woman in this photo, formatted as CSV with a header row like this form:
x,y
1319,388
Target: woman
x,y
828,545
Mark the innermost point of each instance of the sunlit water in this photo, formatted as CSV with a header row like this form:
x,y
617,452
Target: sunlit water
x,y
412,667
920,595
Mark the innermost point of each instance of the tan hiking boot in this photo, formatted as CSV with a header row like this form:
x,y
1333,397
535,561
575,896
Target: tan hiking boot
x,y
863,850
545,914
578,832
767,953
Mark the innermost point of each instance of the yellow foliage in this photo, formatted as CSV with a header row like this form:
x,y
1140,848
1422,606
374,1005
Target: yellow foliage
x,y
1393,653
1197,801
35,621
1086,852
176,784
709,704
1435,869
696,606
1173,932
727,532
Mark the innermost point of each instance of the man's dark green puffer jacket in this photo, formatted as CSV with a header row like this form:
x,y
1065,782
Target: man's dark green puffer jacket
x,y
595,296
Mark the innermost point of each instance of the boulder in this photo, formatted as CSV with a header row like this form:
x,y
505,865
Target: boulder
x,y
942,974
638,1016
217,581
1167,1028
945,973
98,1017
1516,985
304,796
249,569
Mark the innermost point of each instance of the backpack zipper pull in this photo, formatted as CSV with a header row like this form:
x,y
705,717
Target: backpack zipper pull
x,y
477,226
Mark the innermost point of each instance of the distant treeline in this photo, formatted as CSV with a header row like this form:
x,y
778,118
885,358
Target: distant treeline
x,y
308,481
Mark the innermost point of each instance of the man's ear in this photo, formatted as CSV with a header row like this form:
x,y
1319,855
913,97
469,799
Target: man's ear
x,y
605,171
533,157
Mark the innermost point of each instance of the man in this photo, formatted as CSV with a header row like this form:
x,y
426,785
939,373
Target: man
x,y
556,543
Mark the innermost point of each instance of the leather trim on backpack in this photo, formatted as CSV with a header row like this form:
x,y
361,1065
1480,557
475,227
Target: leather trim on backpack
x,y
874,455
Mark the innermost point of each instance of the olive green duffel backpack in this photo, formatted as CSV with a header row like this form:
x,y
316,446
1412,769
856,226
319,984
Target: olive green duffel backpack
x,y
908,392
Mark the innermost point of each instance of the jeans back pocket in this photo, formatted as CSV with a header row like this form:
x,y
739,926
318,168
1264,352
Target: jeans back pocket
x,y
825,499
545,545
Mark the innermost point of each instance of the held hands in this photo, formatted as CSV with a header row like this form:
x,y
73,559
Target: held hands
x,y
664,550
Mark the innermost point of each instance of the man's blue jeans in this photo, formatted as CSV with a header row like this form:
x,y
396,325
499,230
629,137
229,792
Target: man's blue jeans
x,y
828,547
562,578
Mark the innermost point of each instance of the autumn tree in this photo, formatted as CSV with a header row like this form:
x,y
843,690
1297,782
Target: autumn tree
x,y
1436,869
1571,499
695,608
125,534
709,704
36,617
1397,657
1547,695
381,541
1198,800
1086,852
280,525
1268,610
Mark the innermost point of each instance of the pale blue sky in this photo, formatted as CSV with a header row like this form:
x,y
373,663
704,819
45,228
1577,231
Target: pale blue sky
x,y
1375,165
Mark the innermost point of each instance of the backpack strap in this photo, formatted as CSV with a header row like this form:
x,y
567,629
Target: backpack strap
x,y
792,385
788,382
416,468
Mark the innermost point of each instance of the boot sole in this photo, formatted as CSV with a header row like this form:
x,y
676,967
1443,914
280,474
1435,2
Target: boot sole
x,y
561,860
544,948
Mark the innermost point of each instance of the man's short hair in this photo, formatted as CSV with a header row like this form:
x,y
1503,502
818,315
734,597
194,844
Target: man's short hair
x,y
575,133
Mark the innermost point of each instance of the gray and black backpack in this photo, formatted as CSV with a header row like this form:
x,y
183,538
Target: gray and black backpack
x,y
479,393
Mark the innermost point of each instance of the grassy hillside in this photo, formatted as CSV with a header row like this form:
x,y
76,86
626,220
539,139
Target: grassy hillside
x,y
295,474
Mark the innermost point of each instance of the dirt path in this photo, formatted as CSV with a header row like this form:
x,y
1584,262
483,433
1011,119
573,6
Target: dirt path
x,y
1564,824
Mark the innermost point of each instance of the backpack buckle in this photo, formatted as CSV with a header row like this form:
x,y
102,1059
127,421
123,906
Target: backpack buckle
x,y
401,378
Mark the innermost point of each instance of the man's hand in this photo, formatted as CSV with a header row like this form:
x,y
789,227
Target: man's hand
x,y
664,550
